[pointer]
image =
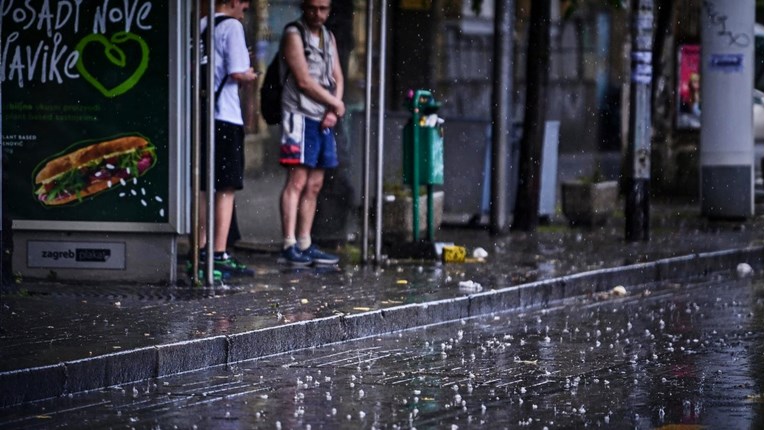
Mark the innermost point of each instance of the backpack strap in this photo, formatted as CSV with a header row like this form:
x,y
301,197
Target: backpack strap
x,y
299,25
218,19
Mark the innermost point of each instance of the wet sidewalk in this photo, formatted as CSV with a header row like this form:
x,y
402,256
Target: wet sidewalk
x,y
63,338
686,356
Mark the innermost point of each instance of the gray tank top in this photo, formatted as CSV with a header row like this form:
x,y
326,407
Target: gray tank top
x,y
320,56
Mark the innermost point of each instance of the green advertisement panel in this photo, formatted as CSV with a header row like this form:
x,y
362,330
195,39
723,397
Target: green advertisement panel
x,y
85,110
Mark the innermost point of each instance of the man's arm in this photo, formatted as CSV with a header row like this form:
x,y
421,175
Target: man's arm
x,y
295,57
248,75
337,71
331,117
237,55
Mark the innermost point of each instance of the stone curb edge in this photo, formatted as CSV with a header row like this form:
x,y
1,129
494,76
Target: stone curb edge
x,y
38,383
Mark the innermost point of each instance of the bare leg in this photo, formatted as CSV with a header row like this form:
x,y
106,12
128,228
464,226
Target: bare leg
x,y
224,208
307,208
297,178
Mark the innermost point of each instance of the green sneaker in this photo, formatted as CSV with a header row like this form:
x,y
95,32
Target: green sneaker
x,y
228,266
218,276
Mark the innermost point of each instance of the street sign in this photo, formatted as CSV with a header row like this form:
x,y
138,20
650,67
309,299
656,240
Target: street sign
x,y
76,255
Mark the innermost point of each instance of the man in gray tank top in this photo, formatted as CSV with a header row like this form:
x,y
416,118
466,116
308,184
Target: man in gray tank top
x,y
312,104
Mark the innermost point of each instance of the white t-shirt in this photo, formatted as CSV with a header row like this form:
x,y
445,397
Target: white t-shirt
x,y
231,56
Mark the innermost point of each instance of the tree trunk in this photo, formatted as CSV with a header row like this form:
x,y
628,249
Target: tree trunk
x,y
526,214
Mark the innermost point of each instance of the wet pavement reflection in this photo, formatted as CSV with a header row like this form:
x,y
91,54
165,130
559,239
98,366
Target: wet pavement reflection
x,y
668,355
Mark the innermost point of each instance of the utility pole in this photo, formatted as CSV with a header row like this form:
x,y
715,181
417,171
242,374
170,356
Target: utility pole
x,y
501,114
637,202
4,233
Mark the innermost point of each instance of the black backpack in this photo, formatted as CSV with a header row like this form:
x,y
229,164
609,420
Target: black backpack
x,y
203,66
271,91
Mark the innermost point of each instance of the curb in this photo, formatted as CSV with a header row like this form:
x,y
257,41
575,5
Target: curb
x,y
27,385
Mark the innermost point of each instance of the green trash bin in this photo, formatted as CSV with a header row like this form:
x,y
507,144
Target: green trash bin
x,y
431,154
423,153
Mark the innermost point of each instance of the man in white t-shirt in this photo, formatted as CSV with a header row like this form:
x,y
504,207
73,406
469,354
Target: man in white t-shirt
x,y
232,67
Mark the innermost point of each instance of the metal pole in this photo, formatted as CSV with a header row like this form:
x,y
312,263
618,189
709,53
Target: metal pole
x,y
637,203
431,229
415,160
501,115
210,279
2,184
367,135
381,130
195,144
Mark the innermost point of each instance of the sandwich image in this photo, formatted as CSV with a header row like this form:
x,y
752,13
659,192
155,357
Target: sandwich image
x,y
91,169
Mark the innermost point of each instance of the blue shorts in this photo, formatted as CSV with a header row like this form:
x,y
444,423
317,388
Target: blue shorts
x,y
304,143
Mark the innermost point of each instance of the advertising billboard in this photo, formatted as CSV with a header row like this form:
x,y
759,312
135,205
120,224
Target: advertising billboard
x,y
86,111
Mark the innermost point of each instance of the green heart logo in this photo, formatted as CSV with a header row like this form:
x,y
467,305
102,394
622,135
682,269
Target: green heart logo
x,y
116,56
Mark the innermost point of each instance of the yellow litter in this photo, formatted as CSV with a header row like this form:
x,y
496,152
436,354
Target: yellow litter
x,y
454,254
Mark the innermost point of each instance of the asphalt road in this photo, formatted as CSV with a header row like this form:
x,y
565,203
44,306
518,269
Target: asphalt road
x,y
682,355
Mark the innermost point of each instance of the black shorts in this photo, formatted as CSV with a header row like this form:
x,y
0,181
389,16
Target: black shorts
x,y
229,157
